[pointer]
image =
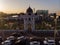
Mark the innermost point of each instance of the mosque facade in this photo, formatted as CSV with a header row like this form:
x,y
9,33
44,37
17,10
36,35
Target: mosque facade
x,y
28,20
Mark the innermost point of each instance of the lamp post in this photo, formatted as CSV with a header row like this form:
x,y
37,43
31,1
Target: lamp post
x,y
55,30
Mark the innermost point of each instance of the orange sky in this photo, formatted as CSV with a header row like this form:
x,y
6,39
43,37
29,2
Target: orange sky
x,y
17,6
58,13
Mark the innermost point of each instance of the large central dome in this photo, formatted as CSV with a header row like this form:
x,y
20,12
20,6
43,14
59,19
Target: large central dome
x,y
29,10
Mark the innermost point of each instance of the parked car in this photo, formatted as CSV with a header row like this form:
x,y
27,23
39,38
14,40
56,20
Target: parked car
x,y
34,43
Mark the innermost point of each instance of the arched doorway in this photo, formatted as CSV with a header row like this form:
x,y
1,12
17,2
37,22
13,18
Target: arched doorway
x,y
29,27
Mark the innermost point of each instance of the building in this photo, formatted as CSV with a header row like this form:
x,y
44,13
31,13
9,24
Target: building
x,y
27,21
42,12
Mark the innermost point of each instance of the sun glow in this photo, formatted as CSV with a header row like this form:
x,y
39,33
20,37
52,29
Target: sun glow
x,y
1,6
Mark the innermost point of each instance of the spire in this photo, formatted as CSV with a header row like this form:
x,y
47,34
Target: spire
x,y
29,5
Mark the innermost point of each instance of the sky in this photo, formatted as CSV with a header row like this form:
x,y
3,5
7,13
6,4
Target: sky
x,y
17,6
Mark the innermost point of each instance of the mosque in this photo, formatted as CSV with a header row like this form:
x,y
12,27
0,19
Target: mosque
x,y
28,20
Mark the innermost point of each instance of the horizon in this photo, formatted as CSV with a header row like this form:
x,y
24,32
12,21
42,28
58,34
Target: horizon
x,y
18,6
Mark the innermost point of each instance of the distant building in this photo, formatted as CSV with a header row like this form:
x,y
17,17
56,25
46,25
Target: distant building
x,y
58,22
53,15
42,12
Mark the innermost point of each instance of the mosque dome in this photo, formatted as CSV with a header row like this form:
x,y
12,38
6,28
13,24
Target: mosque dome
x,y
29,10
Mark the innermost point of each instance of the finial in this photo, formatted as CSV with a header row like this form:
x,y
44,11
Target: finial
x,y
29,5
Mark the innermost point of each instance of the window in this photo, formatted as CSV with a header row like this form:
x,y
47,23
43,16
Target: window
x,y
29,19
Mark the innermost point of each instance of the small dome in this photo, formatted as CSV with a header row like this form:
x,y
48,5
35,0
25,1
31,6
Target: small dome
x,y
29,10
